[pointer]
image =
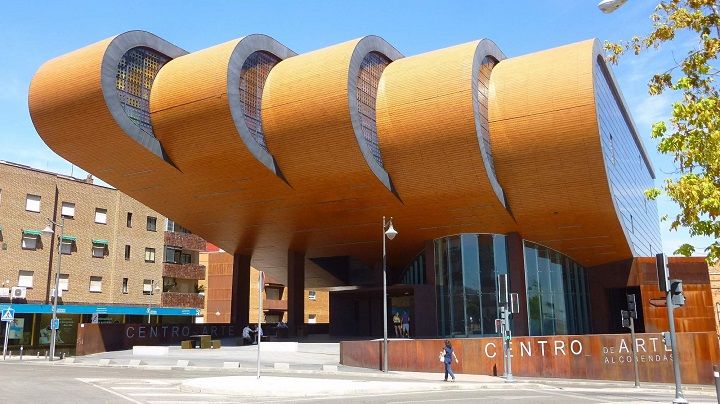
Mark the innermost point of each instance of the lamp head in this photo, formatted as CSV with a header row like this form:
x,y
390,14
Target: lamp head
x,y
390,233
48,231
608,6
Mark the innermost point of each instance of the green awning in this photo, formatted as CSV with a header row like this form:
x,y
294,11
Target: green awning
x,y
69,238
101,242
0,227
32,232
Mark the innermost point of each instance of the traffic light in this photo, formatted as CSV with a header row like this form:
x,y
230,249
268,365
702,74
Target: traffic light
x,y
666,339
625,316
632,307
676,292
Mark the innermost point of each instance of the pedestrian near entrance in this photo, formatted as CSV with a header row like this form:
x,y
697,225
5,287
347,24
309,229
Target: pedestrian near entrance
x,y
449,354
247,339
406,324
396,323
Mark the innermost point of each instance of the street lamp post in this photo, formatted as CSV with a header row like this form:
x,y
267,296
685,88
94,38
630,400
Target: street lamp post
x,y
54,322
390,233
156,289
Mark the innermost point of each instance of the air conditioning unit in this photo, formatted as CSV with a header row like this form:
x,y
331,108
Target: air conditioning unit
x,y
19,292
52,293
4,292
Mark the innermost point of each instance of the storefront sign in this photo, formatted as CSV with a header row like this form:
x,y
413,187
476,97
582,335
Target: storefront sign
x,y
604,356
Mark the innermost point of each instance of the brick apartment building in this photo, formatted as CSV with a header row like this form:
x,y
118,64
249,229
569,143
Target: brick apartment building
x,y
120,259
218,297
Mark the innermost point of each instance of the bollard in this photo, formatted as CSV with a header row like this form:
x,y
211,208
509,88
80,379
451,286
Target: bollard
x,y
716,373
21,351
10,354
46,355
62,355
38,355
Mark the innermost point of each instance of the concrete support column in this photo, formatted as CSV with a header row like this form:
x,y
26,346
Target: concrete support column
x,y
240,305
296,291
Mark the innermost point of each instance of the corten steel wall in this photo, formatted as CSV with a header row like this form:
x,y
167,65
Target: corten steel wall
x,y
697,315
548,154
600,357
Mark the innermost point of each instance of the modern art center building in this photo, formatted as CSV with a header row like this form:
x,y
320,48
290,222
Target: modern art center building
x,y
528,166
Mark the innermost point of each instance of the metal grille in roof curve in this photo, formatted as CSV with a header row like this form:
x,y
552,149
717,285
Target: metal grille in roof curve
x,y
253,75
483,83
136,71
371,69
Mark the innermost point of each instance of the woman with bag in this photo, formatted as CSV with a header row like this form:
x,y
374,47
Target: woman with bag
x,y
447,354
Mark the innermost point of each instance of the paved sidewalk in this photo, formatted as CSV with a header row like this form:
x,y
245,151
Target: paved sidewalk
x,y
312,370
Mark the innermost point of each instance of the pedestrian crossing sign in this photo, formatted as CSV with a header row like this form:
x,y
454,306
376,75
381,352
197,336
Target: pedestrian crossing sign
x,y
8,314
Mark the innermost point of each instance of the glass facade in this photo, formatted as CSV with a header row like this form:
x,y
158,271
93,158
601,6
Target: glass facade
x,y
371,69
136,72
414,274
556,289
253,75
483,84
627,171
466,272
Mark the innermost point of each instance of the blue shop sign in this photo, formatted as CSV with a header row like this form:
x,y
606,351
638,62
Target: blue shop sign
x,y
90,309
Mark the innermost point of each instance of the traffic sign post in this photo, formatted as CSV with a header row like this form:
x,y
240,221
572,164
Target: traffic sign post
x,y
661,262
8,316
632,314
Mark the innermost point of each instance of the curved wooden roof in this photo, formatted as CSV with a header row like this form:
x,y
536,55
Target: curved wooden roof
x,y
316,188
548,155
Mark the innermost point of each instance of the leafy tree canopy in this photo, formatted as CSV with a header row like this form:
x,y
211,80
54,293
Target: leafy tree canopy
x,y
692,137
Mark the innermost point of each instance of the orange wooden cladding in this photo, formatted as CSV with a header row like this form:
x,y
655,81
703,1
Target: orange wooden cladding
x,y
548,156
326,199
600,357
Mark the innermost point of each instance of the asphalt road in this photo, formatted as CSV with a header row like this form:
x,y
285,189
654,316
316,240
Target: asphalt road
x,y
28,383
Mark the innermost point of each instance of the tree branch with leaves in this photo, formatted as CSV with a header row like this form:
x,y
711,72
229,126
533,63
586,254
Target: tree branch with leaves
x,y
692,137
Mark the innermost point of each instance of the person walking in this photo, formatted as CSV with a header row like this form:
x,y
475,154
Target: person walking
x,y
448,353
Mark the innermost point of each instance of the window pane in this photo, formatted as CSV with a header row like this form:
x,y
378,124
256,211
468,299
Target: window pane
x,y
125,285
64,281
98,251
150,255
151,223
68,209
66,247
96,283
25,279
32,203
101,216
29,242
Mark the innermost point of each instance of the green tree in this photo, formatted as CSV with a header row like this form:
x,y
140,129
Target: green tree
x,y
692,137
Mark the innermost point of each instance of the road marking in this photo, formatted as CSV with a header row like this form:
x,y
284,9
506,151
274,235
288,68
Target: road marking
x,y
553,392
111,392
171,395
153,388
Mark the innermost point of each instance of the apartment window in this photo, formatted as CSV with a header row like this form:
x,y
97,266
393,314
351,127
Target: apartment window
x,y
127,252
30,239
125,286
151,223
129,219
64,282
99,247
66,244
272,293
172,255
101,216
0,195
149,255
147,286
32,203
25,279
68,210
312,318
311,295
96,284
185,258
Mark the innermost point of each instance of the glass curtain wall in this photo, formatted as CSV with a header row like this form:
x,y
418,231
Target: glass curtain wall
x,y
556,293
466,268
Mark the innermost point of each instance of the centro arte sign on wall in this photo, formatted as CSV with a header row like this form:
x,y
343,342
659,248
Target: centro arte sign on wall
x,y
603,356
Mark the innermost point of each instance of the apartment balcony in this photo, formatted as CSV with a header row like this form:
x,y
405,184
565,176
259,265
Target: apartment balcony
x,y
178,299
186,241
183,271
272,304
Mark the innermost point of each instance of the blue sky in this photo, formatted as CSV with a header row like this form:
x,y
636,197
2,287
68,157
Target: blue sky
x,y
33,32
